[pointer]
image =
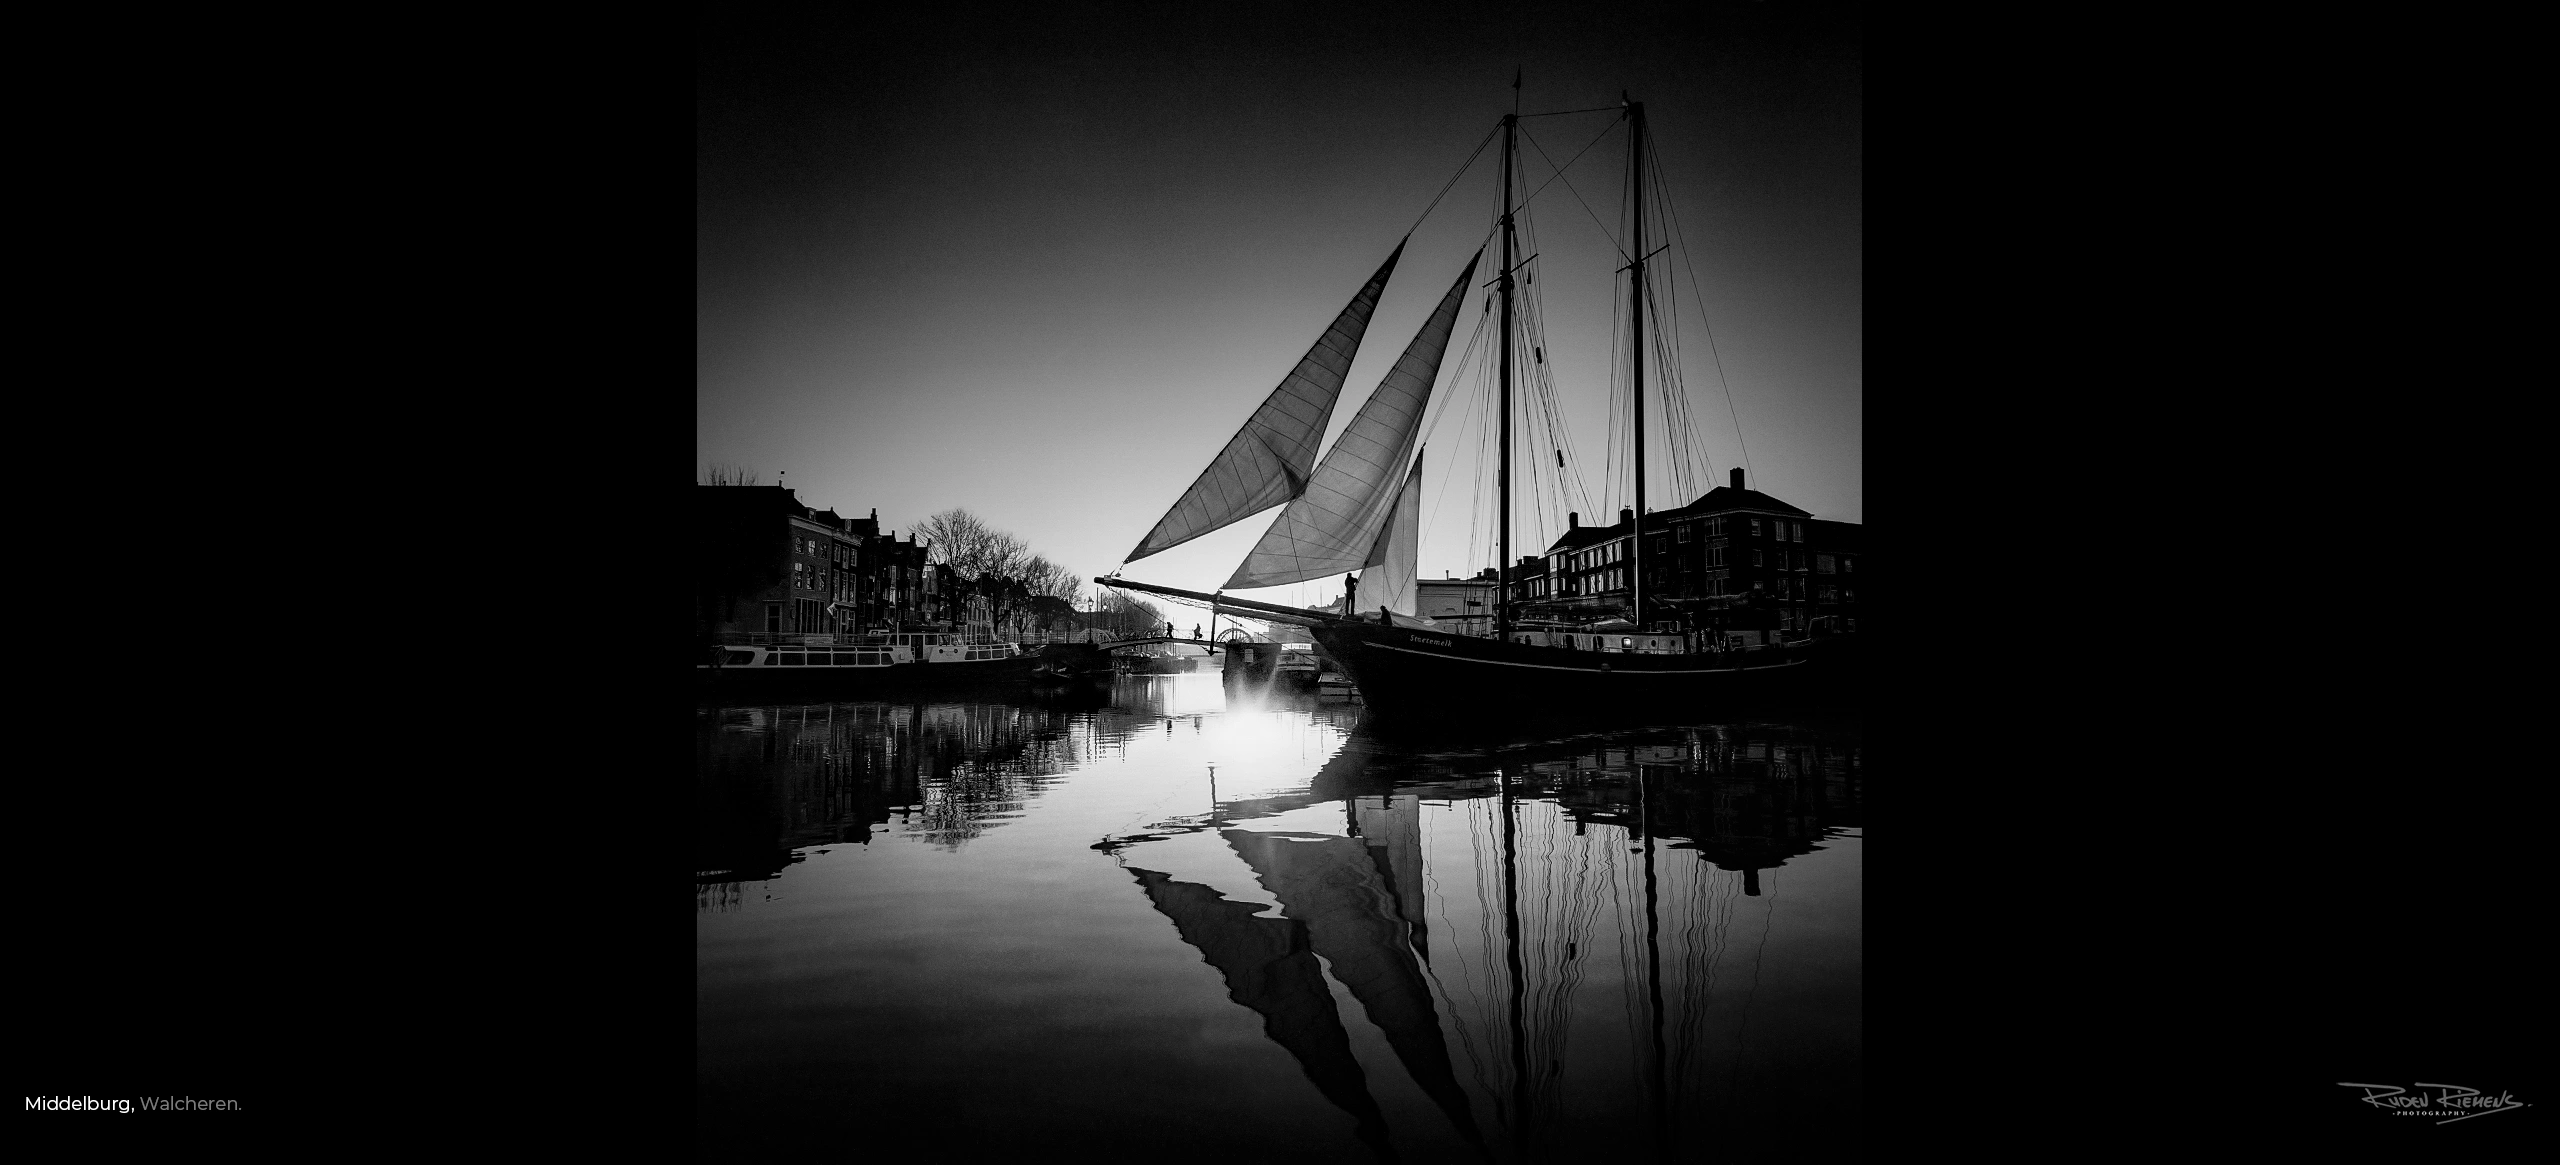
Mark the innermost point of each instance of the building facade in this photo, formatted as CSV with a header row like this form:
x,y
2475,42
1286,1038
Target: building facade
x,y
1734,559
767,565
1462,605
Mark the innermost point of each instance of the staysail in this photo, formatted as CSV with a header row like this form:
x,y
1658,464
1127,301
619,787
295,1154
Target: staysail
x,y
1387,576
1266,462
1330,529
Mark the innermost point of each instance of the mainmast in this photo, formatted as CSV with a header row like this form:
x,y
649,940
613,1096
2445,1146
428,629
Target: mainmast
x,y
1635,167
1502,475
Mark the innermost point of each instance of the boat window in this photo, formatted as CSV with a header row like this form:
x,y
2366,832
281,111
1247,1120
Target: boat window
x,y
850,658
771,660
1626,641
793,660
736,657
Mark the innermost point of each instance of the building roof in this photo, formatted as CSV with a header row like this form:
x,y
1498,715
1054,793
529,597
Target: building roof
x,y
1581,536
753,499
1725,499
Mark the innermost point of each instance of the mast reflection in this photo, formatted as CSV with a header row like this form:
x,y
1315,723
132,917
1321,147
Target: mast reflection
x,y
1613,855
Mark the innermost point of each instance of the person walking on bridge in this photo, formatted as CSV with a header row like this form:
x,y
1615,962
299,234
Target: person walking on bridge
x,y
1195,631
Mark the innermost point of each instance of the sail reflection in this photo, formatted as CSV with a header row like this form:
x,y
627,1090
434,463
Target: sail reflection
x,y
1270,966
1467,899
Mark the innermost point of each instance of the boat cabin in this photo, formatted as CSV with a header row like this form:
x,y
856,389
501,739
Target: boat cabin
x,y
1650,644
869,651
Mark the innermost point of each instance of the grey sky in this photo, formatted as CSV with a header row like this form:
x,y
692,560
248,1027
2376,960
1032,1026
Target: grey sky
x,y
1043,268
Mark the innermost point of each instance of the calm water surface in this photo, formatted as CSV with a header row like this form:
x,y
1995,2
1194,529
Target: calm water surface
x,y
1177,917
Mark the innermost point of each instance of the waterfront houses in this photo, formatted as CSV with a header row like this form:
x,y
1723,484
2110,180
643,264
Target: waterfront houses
x,y
1734,559
767,565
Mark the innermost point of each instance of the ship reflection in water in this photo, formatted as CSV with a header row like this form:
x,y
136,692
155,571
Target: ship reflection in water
x,y
1179,916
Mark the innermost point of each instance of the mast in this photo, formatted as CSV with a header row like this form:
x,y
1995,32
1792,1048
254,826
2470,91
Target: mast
x,y
1502,475
1635,166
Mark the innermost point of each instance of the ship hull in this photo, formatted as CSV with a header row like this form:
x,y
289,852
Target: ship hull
x,y
1406,673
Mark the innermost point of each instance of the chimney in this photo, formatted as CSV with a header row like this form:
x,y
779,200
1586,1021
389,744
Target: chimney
x,y
1572,520
1737,477
1626,516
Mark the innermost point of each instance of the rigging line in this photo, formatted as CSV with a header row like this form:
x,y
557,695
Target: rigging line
x,y
1699,294
1463,167
1593,109
1456,374
1568,185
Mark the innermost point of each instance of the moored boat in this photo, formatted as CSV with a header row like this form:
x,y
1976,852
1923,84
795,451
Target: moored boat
x,y
866,665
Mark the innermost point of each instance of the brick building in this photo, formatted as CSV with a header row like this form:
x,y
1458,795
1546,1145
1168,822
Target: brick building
x,y
1735,559
765,564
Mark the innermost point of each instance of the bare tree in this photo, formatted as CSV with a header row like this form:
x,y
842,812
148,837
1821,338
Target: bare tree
x,y
725,474
1127,614
970,546
1048,578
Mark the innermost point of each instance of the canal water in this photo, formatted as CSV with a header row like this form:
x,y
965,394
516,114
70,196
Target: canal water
x,y
1170,915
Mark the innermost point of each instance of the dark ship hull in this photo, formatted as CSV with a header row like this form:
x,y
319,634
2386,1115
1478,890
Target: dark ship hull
x,y
1404,672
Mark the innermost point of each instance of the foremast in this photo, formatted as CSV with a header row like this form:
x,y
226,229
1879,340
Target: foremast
x,y
1502,473
1635,317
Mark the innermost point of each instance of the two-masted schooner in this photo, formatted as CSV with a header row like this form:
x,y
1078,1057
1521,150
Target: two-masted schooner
x,y
1358,509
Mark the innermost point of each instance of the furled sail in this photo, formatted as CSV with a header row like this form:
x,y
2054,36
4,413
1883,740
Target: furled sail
x,y
1330,529
1266,462
1386,578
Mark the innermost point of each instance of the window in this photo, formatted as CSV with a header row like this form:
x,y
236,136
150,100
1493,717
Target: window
x,y
772,620
737,657
1822,564
1799,527
1686,531
1755,527
794,659
1847,564
1755,558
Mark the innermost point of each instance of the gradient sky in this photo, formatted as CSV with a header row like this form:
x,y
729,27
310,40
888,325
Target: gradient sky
x,y
1041,266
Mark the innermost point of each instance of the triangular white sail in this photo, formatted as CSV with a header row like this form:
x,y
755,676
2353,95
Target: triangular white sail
x,y
1387,578
1329,530
1266,462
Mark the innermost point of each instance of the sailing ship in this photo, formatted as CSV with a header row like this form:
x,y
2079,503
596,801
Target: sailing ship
x,y
1358,509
